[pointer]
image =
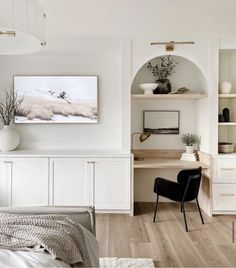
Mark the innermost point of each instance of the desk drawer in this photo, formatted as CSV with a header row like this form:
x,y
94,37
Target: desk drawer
x,y
225,171
224,197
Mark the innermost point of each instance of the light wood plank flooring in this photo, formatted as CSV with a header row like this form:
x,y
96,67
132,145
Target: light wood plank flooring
x,y
166,241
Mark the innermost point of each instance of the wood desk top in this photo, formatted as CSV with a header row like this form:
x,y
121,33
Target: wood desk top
x,y
168,163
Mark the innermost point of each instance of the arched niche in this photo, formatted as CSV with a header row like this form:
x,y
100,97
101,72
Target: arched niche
x,y
187,74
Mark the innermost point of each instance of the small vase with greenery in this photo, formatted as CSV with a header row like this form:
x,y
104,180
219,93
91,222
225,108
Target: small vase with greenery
x,y
190,140
9,138
162,70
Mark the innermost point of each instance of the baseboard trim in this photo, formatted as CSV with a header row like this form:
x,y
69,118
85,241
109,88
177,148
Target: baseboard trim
x,y
223,212
110,211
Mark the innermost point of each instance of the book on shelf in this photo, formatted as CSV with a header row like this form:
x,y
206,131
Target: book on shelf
x,y
189,157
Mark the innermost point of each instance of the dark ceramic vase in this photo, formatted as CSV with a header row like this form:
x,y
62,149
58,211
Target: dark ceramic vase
x,y
163,87
226,115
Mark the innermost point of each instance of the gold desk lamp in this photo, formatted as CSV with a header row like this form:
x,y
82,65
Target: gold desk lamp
x,y
143,136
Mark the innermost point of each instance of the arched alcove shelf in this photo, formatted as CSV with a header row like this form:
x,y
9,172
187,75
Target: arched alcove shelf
x,y
187,74
185,96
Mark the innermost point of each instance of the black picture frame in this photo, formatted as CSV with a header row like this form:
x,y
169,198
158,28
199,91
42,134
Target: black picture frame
x,y
164,128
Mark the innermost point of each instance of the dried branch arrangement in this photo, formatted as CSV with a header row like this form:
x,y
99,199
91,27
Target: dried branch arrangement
x,y
164,67
8,105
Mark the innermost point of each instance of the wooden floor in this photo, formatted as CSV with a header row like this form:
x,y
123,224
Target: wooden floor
x,y
166,241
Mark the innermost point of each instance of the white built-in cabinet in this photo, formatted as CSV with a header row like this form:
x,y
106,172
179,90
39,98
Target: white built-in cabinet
x,y
112,183
24,181
224,185
70,181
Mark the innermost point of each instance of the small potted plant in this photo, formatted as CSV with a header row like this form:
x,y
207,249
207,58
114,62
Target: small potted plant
x,y
190,140
9,138
162,70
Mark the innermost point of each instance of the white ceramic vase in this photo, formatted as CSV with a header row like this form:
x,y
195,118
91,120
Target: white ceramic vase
x,y
9,139
225,87
189,149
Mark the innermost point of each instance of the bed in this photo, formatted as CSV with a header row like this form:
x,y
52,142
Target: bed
x,y
27,259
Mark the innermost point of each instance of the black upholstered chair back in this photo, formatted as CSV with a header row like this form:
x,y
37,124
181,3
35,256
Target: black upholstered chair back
x,y
184,190
191,179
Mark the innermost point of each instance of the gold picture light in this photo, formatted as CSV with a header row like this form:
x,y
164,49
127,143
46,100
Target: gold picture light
x,y
143,136
8,33
170,46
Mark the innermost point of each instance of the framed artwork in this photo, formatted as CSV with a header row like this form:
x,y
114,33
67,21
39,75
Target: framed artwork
x,y
161,121
57,99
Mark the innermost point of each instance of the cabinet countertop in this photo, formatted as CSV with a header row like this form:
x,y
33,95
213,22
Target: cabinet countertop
x,y
65,153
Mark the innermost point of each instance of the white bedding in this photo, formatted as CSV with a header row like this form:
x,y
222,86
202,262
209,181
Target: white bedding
x,y
40,259
28,259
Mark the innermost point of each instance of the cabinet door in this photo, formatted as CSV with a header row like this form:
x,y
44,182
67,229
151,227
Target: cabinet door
x,y
27,181
4,183
70,184
112,183
225,170
224,197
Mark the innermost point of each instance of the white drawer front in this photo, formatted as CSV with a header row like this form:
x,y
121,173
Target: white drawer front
x,y
224,196
225,171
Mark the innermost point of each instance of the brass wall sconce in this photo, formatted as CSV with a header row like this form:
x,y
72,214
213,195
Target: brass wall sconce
x,y
143,136
8,33
170,46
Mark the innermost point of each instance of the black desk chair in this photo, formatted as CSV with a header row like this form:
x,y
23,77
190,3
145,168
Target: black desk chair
x,y
184,190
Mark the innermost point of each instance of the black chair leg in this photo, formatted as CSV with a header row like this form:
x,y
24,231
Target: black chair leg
x,y
155,213
199,209
185,220
181,208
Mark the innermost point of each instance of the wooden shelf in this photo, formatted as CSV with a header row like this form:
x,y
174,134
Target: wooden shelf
x,y
227,123
227,96
186,96
168,163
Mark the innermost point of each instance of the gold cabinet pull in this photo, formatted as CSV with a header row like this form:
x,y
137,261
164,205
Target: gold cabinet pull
x,y
228,168
227,194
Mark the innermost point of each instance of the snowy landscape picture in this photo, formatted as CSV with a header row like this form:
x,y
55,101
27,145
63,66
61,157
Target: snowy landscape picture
x,y
56,99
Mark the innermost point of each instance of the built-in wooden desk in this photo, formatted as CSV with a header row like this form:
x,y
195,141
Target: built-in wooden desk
x,y
168,163
169,159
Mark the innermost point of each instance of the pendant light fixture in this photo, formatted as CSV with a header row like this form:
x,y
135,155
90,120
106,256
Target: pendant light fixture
x,y
21,27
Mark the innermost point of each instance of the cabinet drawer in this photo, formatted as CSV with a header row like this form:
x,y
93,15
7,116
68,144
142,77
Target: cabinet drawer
x,y
224,196
225,171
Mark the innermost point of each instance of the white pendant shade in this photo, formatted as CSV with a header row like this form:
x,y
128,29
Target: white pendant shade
x,y
25,18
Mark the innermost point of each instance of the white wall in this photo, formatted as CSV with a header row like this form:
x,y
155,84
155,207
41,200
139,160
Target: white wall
x,y
140,17
187,123
96,56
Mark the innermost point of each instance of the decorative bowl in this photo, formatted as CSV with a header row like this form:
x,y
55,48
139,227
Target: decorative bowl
x,y
225,147
148,88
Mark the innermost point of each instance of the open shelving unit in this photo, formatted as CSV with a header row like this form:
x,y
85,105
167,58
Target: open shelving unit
x,y
227,96
186,96
227,123
227,64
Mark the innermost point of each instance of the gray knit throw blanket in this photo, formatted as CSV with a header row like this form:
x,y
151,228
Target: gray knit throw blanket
x,y
57,234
